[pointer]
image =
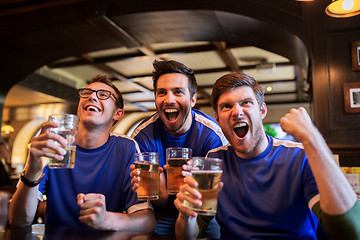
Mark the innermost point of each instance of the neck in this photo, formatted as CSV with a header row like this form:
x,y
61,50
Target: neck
x,y
183,128
258,148
92,137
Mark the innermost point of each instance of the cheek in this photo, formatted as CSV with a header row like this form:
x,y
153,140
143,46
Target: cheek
x,y
158,101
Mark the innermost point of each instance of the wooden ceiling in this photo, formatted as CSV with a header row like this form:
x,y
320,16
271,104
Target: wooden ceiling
x,y
55,46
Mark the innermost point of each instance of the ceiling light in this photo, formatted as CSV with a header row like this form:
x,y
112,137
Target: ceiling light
x,y
269,89
343,8
7,129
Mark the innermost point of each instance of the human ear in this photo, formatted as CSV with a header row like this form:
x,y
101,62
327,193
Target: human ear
x,y
263,111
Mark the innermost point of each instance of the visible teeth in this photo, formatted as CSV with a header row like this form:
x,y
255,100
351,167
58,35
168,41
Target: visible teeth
x,y
240,125
92,108
171,110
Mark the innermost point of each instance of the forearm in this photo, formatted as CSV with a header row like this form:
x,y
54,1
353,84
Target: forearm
x,y
337,196
186,227
23,206
141,221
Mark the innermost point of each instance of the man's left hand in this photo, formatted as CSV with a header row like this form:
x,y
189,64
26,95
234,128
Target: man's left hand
x,y
93,210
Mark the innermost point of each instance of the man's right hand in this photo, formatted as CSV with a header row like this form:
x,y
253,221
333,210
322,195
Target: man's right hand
x,y
188,193
46,144
135,179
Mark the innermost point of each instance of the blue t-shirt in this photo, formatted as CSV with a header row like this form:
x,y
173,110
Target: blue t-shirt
x,y
267,197
102,170
203,135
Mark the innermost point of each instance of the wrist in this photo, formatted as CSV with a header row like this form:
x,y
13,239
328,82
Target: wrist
x,y
31,180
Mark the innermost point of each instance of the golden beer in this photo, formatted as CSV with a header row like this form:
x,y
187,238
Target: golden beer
x,y
149,185
208,186
174,177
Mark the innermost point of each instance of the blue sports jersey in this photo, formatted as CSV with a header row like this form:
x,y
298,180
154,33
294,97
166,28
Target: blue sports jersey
x,y
267,197
203,135
102,170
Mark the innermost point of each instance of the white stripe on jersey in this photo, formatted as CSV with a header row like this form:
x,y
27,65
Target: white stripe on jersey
x,y
116,134
287,143
145,124
314,200
210,124
225,148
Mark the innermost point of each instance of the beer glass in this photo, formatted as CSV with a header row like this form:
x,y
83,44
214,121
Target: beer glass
x,y
176,157
148,165
207,172
68,129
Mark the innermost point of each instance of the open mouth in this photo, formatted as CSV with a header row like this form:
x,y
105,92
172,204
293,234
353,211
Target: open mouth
x,y
92,109
171,114
241,129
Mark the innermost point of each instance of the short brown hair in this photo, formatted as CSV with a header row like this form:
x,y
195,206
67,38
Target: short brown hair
x,y
164,67
107,81
233,80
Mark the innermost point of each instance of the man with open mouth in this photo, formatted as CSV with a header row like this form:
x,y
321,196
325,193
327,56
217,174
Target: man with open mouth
x,y
175,124
96,193
272,188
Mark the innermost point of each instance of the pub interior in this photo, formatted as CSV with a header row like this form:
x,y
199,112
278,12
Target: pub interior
x,y
301,55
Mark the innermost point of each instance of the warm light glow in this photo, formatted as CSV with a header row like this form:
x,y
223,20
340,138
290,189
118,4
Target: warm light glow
x,y
343,8
7,129
269,89
347,4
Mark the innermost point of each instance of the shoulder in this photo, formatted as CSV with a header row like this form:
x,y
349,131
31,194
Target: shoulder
x,y
286,143
145,124
218,151
124,140
209,123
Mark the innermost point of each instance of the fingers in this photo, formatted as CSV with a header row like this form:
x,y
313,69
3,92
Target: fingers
x,y
49,145
94,196
221,184
92,209
135,183
135,178
187,196
132,167
191,181
184,210
45,127
165,167
80,198
186,169
90,201
134,173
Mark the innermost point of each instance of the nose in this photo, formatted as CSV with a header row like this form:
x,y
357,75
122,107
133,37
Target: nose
x,y
237,111
170,98
92,95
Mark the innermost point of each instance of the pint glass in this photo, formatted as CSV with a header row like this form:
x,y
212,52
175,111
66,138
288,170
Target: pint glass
x,y
68,129
207,172
176,157
148,165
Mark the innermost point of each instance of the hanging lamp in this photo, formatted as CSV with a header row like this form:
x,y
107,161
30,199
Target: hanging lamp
x,y
343,8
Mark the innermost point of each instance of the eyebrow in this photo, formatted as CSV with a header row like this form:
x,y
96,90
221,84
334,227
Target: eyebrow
x,y
238,101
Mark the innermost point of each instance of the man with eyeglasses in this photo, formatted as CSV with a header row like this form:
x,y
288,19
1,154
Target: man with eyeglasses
x,y
97,192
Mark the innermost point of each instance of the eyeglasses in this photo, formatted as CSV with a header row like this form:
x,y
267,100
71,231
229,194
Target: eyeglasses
x,y
101,94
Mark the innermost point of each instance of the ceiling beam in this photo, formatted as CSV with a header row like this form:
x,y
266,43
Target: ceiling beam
x,y
226,56
104,67
106,24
